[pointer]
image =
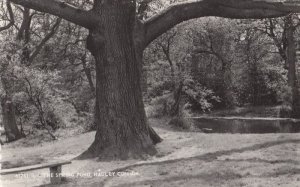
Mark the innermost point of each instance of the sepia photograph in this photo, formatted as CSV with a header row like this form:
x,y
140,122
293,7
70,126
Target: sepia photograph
x,y
150,93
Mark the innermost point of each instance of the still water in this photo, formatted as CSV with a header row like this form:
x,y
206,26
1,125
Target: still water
x,y
246,125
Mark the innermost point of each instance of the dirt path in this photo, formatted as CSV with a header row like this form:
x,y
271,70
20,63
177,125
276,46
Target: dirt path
x,y
183,159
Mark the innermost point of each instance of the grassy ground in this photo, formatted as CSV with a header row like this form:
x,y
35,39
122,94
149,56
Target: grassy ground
x,y
183,159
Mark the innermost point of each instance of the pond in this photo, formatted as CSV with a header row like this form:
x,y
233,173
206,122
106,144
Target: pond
x,y
246,125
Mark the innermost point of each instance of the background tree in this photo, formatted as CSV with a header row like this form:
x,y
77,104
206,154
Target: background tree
x,y
215,51
29,36
116,40
282,32
7,106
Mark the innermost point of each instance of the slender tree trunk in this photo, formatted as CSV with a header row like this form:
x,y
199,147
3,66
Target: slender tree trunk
x,y
178,102
122,129
255,84
24,34
291,61
172,70
227,84
88,73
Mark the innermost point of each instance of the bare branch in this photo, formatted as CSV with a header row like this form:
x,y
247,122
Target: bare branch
x,y
234,9
61,9
45,40
25,25
11,17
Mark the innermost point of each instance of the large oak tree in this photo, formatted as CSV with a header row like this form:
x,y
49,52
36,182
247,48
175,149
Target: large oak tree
x,y
117,39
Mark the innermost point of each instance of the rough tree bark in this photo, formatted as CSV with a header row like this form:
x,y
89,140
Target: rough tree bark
x,y
122,129
8,112
8,109
291,62
9,120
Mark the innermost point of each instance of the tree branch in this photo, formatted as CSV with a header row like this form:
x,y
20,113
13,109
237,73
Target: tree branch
x,y
61,9
210,52
45,40
11,17
25,25
234,9
279,44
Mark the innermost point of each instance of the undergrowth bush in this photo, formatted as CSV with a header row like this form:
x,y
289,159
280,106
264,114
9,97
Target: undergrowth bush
x,y
160,106
198,96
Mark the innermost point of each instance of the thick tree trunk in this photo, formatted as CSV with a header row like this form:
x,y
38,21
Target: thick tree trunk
x,y
122,129
143,70
138,43
8,110
9,120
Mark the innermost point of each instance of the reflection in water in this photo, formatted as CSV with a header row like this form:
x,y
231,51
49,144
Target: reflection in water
x,y
246,125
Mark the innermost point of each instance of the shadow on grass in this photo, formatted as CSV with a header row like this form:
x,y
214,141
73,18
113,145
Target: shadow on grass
x,y
217,178
208,157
